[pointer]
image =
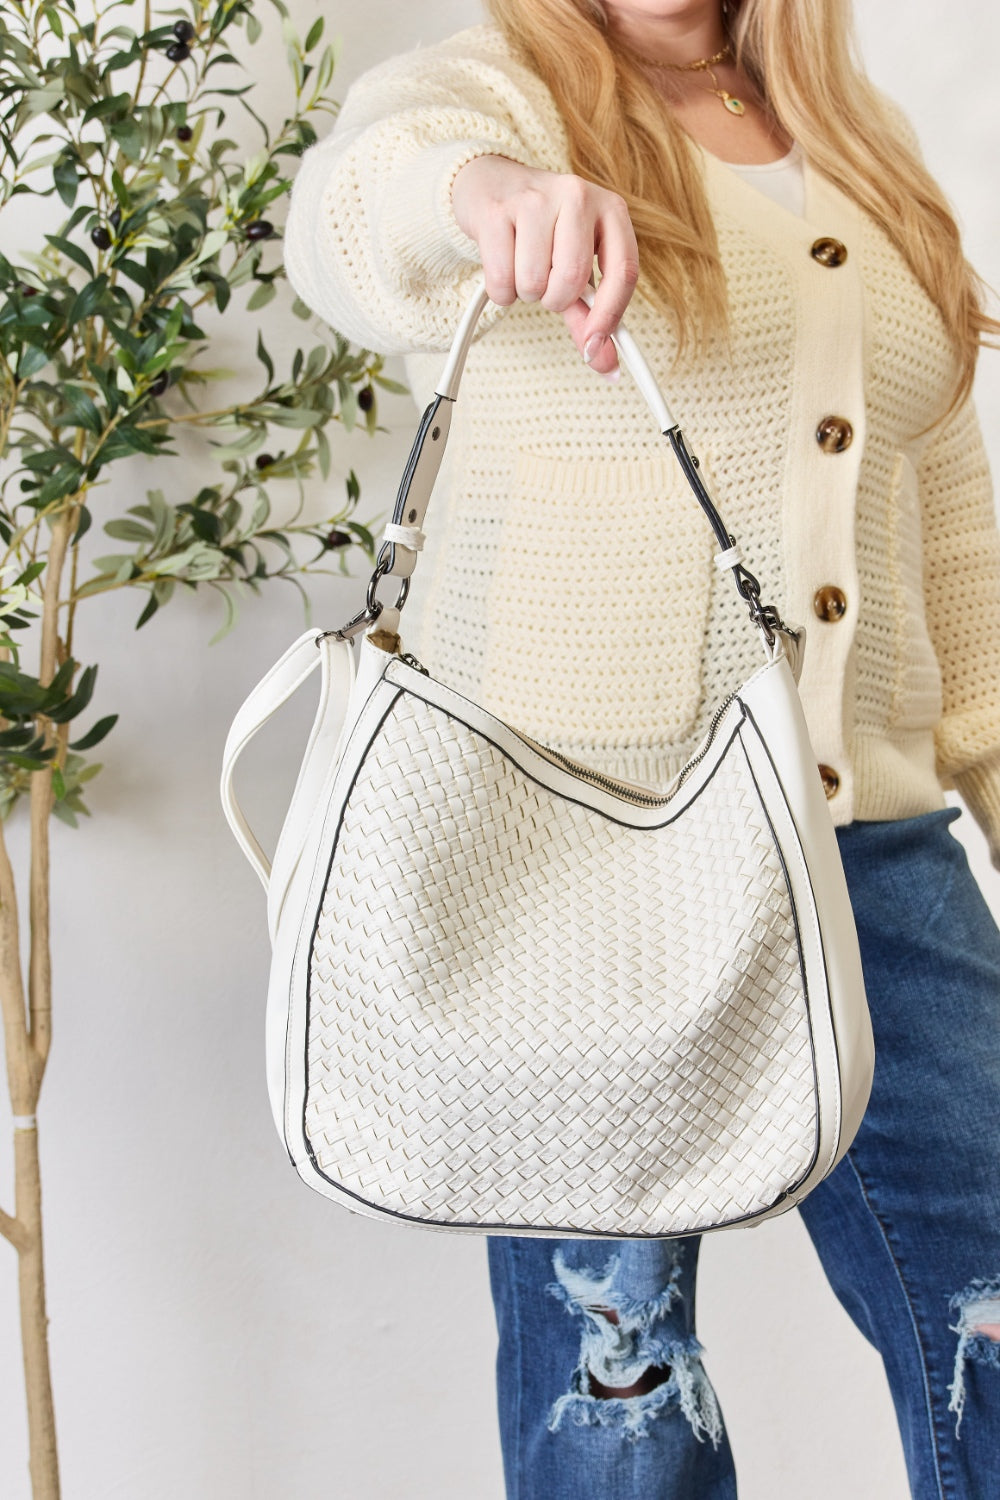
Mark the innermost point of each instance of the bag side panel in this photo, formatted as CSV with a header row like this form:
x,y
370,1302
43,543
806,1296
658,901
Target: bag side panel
x,y
370,697
841,1020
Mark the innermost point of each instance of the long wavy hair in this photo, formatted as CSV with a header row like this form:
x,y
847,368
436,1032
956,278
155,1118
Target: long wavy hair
x,y
801,56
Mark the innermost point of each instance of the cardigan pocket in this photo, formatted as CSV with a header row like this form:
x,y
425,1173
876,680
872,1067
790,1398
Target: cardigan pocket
x,y
916,698
597,604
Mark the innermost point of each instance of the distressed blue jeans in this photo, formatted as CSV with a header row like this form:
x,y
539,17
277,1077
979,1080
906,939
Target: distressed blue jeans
x,y
907,1228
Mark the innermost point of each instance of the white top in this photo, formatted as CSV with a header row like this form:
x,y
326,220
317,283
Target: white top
x,y
782,180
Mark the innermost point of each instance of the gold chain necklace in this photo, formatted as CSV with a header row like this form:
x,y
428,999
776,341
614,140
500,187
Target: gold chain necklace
x,y
700,65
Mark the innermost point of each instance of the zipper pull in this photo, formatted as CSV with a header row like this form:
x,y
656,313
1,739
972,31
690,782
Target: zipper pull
x,y
411,661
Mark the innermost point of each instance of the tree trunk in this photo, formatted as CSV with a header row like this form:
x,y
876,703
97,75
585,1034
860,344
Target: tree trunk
x,y
27,1036
43,1458
24,1228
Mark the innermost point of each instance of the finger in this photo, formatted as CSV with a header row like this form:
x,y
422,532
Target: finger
x,y
618,259
573,239
496,250
532,247
605,361
573,245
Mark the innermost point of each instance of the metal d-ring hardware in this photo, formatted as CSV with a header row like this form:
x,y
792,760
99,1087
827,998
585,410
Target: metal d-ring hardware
x,y
382,567
373,607
764,616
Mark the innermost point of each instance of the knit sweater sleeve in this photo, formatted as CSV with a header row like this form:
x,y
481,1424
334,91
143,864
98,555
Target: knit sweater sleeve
x,y
962,592
372,243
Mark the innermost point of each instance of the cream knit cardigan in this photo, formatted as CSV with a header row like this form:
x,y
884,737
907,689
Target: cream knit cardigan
x,y
571,585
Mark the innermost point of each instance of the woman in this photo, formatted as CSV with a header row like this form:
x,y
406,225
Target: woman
x,y
796,281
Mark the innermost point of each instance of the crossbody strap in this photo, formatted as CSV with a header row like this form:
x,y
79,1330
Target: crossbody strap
x,y
335,659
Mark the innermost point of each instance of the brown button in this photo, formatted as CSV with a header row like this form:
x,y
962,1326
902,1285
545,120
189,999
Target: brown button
x,y
829,602
830,780
834,434
828,252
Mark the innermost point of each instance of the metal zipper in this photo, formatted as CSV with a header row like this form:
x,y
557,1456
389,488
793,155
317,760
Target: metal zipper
x,y
622,789
713,726
608,783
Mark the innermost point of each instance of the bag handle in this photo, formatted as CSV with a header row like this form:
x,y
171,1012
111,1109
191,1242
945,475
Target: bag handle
x,y
331,650
403,537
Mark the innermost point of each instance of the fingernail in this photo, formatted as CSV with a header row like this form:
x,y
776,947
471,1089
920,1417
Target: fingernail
x,y
593,346
613,375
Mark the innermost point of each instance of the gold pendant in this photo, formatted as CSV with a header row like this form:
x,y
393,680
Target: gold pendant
x,y
734,106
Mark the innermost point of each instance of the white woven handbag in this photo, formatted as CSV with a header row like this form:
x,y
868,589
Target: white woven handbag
x,y
511,995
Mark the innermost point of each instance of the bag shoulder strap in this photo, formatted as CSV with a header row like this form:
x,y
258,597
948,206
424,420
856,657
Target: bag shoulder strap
x,y
336,660
403,538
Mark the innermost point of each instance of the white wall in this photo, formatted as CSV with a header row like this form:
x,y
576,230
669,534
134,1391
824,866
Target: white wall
x,y
219,1332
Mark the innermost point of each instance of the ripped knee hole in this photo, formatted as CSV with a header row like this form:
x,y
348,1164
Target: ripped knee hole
x,y
978,1329
648,1381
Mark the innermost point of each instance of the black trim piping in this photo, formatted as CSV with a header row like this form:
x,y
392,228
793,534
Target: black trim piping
x,y
379,1211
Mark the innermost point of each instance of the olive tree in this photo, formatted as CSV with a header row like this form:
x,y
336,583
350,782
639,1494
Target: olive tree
x,y
161,235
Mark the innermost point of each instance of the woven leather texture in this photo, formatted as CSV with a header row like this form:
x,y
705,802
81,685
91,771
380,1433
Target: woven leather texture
x,y
528,1014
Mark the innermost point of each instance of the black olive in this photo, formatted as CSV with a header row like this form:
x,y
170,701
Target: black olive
x,y
101,238
337,538
366,398
264,460
115,216
184,132
259,229
183,31
178,52
26,290
159,385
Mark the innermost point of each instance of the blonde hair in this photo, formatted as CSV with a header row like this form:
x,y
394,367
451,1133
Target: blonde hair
x,y
800,56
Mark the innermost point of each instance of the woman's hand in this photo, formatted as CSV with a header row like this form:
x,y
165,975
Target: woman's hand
x,y
538,233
